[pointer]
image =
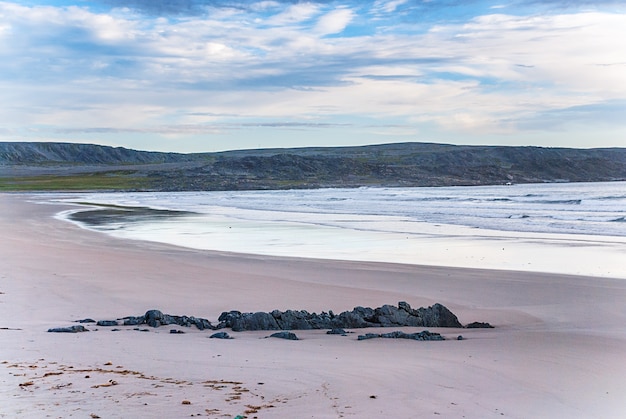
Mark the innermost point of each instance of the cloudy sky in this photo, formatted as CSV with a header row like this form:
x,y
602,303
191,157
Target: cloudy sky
x,y
209,75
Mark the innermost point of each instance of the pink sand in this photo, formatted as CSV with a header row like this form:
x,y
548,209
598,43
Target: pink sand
x,y
558,349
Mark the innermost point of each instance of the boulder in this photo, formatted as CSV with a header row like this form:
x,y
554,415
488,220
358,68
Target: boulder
x,y
389,316
438,315
201,323
292,320
358,318
155,318
240,322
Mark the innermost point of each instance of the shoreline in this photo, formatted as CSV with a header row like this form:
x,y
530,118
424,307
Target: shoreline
x,y
530,365
425,244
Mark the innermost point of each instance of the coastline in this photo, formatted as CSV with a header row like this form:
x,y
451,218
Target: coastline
x,y
359,238
557,350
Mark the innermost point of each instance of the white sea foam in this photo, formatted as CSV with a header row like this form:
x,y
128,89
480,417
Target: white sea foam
x,y
562,228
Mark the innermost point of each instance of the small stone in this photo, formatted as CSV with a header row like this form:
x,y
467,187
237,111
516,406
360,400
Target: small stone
x,y
176,332
134,320
368,336
220,335
285,335
71,329
459,337
186,402
479,325
107,323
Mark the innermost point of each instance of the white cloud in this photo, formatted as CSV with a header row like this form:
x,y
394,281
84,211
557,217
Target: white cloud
x,y
570,53
481,76
333,22
388,6
264,5
293,14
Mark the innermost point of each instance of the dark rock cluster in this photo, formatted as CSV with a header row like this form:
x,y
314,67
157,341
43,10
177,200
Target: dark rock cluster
x,y
424,335
155,318
360,317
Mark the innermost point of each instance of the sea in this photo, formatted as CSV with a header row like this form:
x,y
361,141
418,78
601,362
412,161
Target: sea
x,y
569,228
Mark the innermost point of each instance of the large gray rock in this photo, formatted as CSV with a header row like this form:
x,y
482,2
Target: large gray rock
x,y
389,316
438,316
360,317
240,322
156,318
301,320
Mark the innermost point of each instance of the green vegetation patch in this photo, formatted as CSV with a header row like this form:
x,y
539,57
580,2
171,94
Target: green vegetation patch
x,y
88,181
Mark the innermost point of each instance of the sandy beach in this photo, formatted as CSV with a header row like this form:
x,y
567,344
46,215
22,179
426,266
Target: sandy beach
x,y
558,348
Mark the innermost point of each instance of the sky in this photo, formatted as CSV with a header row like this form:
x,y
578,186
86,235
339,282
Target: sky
x,y
213,75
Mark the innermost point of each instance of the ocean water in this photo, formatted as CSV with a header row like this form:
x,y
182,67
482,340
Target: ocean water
x,y
575,228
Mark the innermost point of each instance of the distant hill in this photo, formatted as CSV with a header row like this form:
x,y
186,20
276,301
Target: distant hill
x,y
78,154
72,166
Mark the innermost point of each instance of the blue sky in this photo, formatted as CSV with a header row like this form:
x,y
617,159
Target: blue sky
x,y
211,75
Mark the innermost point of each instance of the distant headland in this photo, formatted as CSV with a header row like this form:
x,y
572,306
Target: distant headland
x,y
32,166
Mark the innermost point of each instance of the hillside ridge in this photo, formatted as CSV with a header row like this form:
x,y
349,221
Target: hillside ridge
x,y
399,164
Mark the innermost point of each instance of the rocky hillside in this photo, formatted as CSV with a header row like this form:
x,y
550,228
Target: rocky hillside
x,y
406,164
78,154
